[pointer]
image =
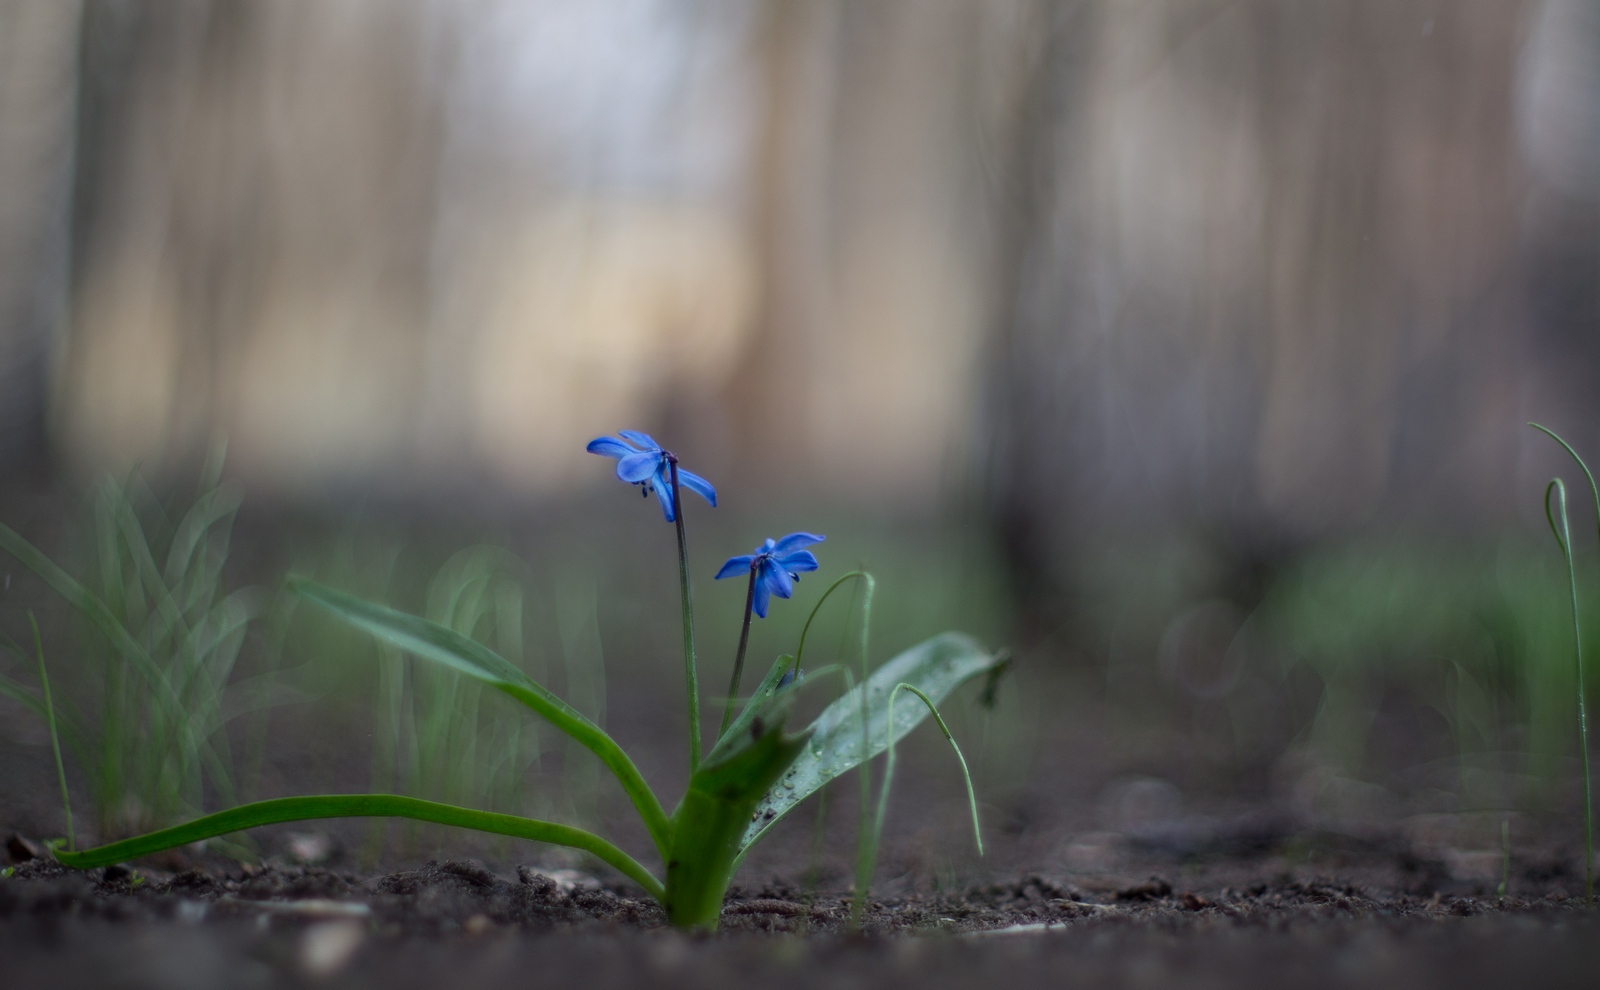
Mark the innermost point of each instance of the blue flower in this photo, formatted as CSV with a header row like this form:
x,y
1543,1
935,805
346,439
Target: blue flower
x,y
775,567
641,461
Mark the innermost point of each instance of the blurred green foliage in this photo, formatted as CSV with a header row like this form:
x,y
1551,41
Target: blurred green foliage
x,y
1398,660
145,698
1402,661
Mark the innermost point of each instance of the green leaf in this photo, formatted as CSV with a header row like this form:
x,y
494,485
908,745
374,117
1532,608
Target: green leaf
x,y
297,809
431,641
742,767
710,822
758,705
934,667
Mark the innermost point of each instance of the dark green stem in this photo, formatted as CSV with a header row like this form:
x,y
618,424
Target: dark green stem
x,y
738,658
690,674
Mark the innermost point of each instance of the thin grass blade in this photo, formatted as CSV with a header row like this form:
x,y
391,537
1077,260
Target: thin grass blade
x,y
102,618
55,737
1564,536
868,854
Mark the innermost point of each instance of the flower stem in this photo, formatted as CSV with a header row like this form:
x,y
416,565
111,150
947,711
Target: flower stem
x,y
690,675
738,658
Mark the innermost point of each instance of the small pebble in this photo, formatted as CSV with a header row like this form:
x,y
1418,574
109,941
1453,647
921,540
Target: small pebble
x,y
328,946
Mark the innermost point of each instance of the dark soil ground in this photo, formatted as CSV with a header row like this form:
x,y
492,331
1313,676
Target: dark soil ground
x,y
1347,915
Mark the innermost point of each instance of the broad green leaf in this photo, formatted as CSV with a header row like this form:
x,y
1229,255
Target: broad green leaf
x,y
742,766
759,703
431,641
934,667
298,809
709,825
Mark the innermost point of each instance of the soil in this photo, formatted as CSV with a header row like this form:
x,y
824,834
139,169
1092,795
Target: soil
x,y
1349,915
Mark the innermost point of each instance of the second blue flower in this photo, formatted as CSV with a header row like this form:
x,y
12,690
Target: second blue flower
x,y
776,565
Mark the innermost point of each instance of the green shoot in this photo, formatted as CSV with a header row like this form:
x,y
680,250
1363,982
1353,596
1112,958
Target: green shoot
x,y
1563,536
55,738
819,834
860,577
1505,858
864,850
868,858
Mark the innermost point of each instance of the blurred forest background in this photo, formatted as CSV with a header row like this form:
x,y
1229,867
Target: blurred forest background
x,y
1209,328
1273,268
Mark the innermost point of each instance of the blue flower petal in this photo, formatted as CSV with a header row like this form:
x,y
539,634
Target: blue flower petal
x,y
799,560
609,447
639,466
642,439
776,578
697,484
664,495
734,567
795,541
758,603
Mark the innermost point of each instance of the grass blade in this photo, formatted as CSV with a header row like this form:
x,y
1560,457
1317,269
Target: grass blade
x,y
434,642
1563,536
934,667
867,855
55,738
102,618
295,809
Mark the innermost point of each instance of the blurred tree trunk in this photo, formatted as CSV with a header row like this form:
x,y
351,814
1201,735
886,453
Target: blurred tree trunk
x,y
1266,274
252,227
38,96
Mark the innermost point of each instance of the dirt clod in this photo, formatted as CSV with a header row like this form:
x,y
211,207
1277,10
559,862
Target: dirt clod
x,y
1153,889
22,849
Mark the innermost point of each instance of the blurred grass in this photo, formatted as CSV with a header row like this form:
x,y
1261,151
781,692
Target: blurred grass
x,y
151,687
1410,663
1402,661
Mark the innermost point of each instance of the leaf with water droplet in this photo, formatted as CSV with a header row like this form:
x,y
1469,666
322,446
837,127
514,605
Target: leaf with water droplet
x,y
936,667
